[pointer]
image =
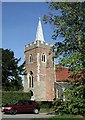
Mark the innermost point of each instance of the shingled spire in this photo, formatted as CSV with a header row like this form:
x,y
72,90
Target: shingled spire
x,y
39,33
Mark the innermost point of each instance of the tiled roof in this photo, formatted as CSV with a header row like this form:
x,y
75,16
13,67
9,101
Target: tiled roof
x,y
62,74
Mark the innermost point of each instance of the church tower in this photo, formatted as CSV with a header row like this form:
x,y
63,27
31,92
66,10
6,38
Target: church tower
x,y
39,66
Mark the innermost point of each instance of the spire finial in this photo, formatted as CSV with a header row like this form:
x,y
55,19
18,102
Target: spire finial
x,y
39,33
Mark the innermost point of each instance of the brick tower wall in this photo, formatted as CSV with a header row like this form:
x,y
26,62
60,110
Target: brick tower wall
x,y
43,72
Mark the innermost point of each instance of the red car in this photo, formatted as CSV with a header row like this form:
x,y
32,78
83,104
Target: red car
x,y
22,106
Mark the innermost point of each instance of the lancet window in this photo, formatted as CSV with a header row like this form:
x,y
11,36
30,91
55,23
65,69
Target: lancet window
x,y
31,84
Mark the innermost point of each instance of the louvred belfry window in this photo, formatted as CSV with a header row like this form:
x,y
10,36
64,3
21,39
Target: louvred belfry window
x,y
43,57
31,58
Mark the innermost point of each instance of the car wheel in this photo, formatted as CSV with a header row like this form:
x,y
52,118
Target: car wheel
x,y
36,111
13,111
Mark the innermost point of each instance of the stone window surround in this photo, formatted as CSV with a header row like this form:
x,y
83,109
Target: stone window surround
x,y
43,57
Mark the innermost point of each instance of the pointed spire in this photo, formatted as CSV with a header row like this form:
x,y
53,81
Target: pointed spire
x,y
39,33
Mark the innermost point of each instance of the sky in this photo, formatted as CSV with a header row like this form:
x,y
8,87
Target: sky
x,y
19,25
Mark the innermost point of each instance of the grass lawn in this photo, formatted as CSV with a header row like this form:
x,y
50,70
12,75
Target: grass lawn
x,y
68,117
45,110
61,117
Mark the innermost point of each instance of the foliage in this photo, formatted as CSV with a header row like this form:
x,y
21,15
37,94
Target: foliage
x,y
11,97
69,27
58,106
69,31
0,67
11,71
74,103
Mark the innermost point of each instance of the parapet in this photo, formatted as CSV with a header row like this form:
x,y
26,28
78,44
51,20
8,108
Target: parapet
x,y
37,44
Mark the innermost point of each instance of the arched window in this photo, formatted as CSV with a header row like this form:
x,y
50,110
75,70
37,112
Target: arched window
x,y
31,85
43,58
31,58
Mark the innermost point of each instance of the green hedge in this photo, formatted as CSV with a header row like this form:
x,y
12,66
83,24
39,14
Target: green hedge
x,y
11,97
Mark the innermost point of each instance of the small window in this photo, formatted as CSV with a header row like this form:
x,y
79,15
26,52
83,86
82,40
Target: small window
x,y
31,58
57,93
43,57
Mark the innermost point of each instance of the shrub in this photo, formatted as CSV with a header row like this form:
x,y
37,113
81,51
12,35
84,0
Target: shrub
x,y
75,101
58,106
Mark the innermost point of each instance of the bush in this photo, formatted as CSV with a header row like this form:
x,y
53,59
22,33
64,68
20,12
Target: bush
x,y
75,106
11,97
75,101
58,106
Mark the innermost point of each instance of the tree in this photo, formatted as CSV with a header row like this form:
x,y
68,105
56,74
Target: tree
x,y
11,71
69,27
0,68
